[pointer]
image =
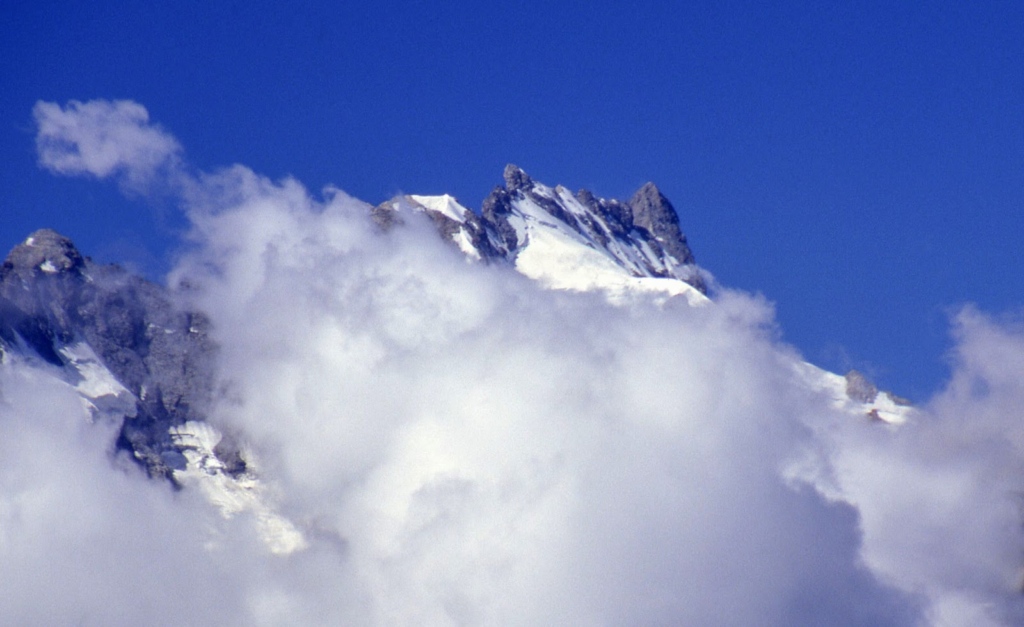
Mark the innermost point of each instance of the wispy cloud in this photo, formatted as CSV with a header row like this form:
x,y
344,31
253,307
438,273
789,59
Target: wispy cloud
x,y
463,447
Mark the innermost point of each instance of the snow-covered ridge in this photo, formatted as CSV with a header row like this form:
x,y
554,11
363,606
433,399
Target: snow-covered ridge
x,y
445,205
570,242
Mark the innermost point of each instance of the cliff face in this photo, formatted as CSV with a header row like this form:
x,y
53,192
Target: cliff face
x,y
52,298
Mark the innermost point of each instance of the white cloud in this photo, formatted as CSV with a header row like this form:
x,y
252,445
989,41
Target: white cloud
x,y
490,452
941,498
84,540
103,138
462,447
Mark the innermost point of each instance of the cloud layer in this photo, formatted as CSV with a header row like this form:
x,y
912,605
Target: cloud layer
x,y
493,453
463,447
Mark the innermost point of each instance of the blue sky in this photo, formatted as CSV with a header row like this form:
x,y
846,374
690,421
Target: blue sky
x,y
861,167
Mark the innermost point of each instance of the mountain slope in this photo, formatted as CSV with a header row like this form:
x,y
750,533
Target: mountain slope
x,y
58,306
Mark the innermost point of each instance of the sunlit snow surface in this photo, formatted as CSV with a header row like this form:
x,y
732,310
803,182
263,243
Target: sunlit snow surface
x,y
103,395
561,258
883,407
101,392
232,495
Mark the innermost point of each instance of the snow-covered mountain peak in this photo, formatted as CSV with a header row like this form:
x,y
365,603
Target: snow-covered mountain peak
x,y
576,242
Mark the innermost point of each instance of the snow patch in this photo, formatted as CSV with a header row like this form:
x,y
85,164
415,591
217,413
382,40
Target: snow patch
x,y
465,244
101,392
445,205
559,257
883,407
232,495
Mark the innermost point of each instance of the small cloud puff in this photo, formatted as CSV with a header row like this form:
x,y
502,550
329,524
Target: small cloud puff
x,y
103,138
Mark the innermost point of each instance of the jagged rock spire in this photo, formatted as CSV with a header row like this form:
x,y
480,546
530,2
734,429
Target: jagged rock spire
x,y
653,212
516,179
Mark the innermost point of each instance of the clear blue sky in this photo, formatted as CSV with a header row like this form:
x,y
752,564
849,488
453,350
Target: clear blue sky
x,y
862,167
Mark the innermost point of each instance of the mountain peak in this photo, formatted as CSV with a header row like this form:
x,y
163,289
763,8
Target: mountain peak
x,y
516,179
649,195
649,189
46,251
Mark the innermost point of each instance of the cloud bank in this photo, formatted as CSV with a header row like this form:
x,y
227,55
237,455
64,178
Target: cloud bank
x,y
463,447
940,499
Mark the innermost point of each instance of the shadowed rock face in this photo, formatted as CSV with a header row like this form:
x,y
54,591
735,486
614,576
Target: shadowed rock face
x,y
44,252
51,296
494,215
35,280
653,212
515,179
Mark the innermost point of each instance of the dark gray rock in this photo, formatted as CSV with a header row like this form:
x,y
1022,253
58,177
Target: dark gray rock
x,y
473,226
52,296
515,179
652,212
227,451
494,213
649,219
43,252
385,216
618,215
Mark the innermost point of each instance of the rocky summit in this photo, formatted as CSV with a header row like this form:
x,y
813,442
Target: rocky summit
x,y
566,240
53,299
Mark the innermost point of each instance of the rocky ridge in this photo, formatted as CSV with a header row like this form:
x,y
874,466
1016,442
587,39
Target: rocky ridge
x,y
548,233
